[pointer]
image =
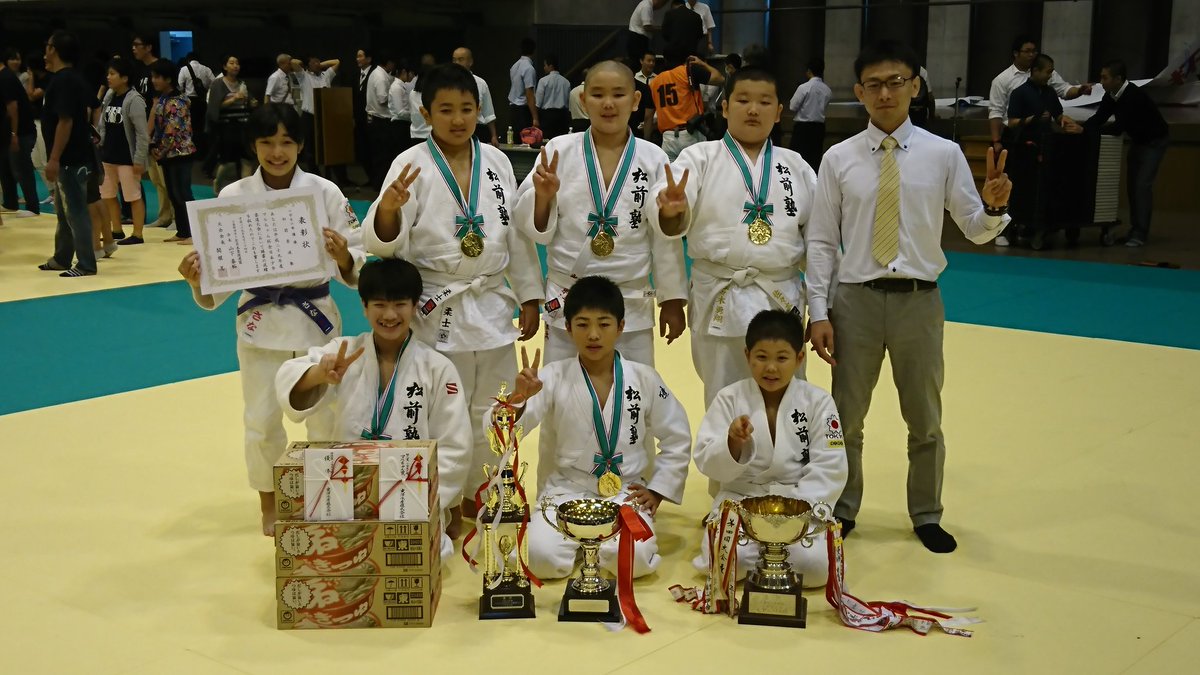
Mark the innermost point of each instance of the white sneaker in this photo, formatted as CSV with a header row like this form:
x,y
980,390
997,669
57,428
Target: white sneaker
x,y
1002,241
110,248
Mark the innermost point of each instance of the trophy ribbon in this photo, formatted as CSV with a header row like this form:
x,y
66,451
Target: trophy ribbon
x,y
633,529
880,616
719,595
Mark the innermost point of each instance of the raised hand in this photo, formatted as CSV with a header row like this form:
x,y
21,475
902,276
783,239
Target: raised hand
x,y
545,176
332,367
997,187
739,434
528,384
672,201
338,248
397,193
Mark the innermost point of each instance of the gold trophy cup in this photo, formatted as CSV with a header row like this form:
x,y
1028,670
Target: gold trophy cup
x,y
591,522
771,596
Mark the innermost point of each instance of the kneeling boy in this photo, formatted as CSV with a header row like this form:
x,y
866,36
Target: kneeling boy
x,y
774,435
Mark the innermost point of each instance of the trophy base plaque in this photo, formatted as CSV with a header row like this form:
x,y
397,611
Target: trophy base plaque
x,y
763,607
602,606
507,601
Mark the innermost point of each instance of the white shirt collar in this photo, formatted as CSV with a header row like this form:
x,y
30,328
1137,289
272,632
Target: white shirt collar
x,y
1121,90
902,134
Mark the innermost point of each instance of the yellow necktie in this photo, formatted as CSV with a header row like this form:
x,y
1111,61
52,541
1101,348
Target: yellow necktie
x,y
885,241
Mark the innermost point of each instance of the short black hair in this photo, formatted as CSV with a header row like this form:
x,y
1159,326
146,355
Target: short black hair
x,y
11,53
595,292
750,75
447,76
389,279
528,46
775,324
1021,41
1116,68
551,60
817,66
367,52
734,60
166,70
1043,60
66,44
883,51
265,121
122,67
147,39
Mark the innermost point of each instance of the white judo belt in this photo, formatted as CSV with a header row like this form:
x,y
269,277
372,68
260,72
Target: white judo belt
x,y
630,290
454,285
770,281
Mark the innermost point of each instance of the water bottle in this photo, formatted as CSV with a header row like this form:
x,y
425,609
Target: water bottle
x,y
509,136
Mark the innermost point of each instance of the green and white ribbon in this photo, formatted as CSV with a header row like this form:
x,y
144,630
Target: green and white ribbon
x,y
601,218
470,222
757,208
385,401
607,459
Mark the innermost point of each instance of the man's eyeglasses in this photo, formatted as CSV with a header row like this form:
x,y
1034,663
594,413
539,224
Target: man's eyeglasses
x,y
893,83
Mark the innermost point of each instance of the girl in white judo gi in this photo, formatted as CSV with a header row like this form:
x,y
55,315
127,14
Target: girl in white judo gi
x,y
275,324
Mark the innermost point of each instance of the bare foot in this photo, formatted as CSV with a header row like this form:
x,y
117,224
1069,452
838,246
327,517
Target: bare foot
x,y
269,516
186,241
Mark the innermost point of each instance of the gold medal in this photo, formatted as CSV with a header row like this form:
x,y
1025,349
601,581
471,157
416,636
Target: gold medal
x,y
471,245
609,485
759,232
603,245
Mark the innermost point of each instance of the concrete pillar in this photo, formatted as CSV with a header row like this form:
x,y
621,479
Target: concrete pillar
x,y
843,39
742,29
948,48
1185,31
1067,37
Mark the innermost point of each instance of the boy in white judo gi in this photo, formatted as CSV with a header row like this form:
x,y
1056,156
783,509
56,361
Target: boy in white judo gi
x,y
383,384
272,322
773,434
446,207
743,203
612,410
585,202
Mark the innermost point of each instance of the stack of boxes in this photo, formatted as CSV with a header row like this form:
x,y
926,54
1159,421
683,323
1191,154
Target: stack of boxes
x,y
365,572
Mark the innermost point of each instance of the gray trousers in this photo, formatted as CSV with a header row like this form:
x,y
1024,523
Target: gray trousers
x,y
908,327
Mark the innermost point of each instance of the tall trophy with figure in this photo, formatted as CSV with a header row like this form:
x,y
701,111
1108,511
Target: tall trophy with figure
x,y
503,521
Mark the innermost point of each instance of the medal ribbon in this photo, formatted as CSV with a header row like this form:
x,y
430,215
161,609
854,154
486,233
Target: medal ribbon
x,y
758,208
633,529
607,459
385,401
470,222
601,217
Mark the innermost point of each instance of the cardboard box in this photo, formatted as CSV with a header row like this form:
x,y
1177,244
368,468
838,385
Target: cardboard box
x,y
357,548
357,602
289,476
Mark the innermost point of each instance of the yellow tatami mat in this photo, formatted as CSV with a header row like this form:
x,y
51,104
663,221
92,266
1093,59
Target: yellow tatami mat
x,y
133,543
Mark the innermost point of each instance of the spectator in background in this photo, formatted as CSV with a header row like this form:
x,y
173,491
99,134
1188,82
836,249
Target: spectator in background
x,y
18,135
1137,116
229,106
144,53
485,129
522,98
70,158
682,29
35,68
379,120
641,26
647,64
398,106
808,105
279,88
677,99
171,145
553,94
579,114
923,107
364,59
706,20
317,74
124,147
194,81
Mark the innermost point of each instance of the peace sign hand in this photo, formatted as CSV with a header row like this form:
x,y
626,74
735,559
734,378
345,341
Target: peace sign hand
x,y
672,200
528,384
332,368
997,187
397,194
545,177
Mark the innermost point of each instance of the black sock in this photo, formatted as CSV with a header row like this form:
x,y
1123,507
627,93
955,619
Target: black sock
x,y
935,538
847,526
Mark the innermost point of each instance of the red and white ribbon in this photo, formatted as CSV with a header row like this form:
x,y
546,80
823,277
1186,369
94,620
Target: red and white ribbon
x,y
633,529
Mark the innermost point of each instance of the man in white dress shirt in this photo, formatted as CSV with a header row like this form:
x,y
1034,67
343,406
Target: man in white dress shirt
x,y
279,84
317,74
881,199
1024,51
485,130
809,104
645,73
379,119
553,94
522,97
644,22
